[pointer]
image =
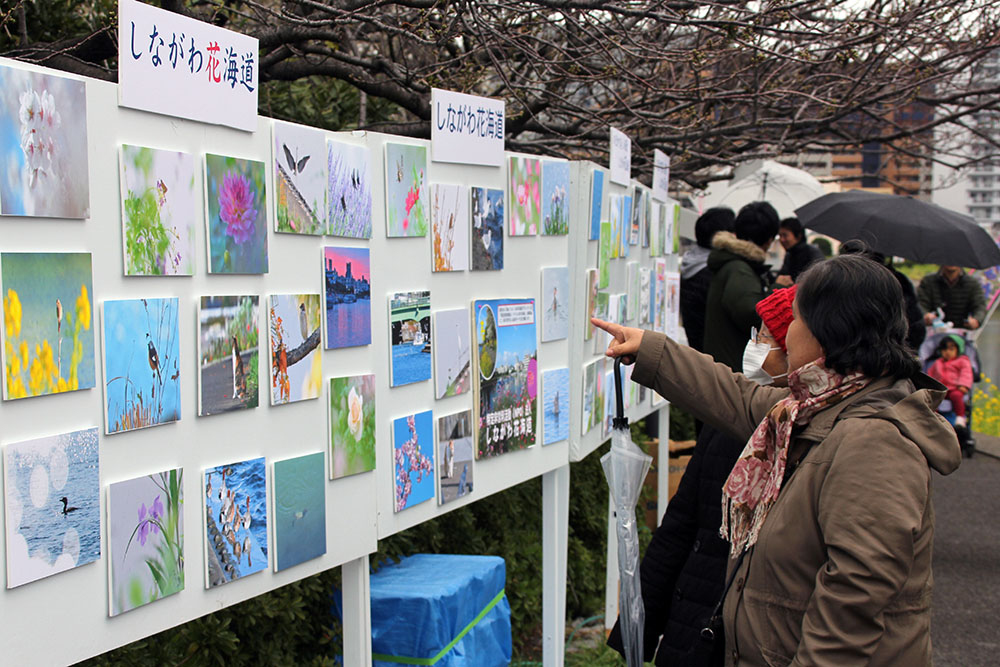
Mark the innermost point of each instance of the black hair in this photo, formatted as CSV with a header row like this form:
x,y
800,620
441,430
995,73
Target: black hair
x,y
859,247
717,219
946,341
756,222
854,308
794,226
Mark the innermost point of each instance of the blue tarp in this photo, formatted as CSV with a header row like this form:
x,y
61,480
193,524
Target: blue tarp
x,y
422,604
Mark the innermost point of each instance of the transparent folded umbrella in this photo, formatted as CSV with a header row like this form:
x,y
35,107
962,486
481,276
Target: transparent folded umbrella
x,y
625,467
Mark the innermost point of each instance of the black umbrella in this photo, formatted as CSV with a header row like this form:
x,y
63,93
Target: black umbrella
x,y
902,226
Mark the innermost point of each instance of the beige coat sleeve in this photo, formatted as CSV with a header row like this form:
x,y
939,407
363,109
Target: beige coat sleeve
x,y
872,505
699,385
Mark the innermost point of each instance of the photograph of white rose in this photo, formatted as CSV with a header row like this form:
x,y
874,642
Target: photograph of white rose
x,y
352,425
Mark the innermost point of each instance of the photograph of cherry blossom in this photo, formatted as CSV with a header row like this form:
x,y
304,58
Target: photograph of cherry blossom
x,y
299,179
413,459
524,176
349,190
407,212
236,215
452,352
507,364
449,227
47,308
352,425
158,211
347,277
487,229
228,354
296,358
145,539
455,455
52,498
43,145
236,519
555,197
299,510
142,384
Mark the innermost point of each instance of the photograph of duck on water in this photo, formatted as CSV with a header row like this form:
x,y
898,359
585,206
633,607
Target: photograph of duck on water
x,y
52,501
555,303
235,521
455,456
299,510
145,539
555,399
410,339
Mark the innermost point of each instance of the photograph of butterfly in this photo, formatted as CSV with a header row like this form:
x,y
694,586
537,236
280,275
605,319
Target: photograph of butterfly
x,y
300,180
349,190
407,210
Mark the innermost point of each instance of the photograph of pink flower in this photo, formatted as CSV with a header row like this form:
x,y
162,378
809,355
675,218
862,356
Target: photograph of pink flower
x,y
352,425
145,539
525,179
236,202
413,459
406,209
43,145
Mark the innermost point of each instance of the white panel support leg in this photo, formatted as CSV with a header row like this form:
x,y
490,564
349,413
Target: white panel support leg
x,y
357,613
611,579
555,545
663,464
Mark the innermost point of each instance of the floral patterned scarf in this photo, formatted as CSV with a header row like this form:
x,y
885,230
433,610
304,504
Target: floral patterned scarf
x,y
754,483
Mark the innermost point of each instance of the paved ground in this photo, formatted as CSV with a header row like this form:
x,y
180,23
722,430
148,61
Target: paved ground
x,y
965,626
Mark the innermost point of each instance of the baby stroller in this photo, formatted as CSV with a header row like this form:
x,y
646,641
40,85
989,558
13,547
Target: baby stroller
x,y
928,354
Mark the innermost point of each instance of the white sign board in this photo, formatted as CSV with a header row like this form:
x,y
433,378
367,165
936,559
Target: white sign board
x,y
178,66
621,157
466,129
661,175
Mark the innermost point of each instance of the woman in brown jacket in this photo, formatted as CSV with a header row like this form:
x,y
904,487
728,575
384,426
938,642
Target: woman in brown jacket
x,y
829,504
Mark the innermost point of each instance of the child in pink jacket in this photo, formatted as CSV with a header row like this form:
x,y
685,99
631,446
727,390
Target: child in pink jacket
x,y
954,370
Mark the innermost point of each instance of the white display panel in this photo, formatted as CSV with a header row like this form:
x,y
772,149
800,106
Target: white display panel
x,y
275,432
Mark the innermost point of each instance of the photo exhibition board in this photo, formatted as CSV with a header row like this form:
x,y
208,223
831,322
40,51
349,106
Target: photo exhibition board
x,y
588,369
218,424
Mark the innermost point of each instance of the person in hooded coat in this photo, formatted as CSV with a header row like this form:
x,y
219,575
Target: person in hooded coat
x,y
696,277
828,510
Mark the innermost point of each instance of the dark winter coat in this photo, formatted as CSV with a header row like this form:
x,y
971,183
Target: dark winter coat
x,y
959,302
684,568
694,295
798,258
740,280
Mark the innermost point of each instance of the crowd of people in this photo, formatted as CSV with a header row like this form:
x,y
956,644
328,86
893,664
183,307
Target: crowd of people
x,y
802,529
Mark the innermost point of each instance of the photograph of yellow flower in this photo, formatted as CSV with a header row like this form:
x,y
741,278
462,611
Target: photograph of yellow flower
x,y
47,307
352,425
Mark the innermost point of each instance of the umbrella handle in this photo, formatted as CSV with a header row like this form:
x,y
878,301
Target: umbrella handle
x,y
620,420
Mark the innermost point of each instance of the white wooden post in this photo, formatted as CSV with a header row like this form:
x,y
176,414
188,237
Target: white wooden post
x,y
555,542
357,625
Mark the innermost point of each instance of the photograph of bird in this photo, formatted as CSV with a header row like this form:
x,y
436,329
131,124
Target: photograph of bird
x,y
154,359
58,317
303,321
66,508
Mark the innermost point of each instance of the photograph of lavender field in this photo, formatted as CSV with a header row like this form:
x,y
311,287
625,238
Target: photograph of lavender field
x,y
349,190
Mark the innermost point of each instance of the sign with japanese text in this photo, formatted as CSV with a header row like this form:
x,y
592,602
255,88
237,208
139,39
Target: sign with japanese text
x,y
179,66
466,129
621,157
661,175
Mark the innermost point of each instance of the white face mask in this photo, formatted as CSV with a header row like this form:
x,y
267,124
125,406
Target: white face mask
x,y
753,360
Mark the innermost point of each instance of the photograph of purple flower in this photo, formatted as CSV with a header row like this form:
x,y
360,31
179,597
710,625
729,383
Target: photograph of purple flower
x,y
43,145
236,201
349,190
145,539
413,459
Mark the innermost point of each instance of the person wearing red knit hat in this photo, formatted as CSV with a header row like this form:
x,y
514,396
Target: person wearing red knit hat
x,y
765,359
